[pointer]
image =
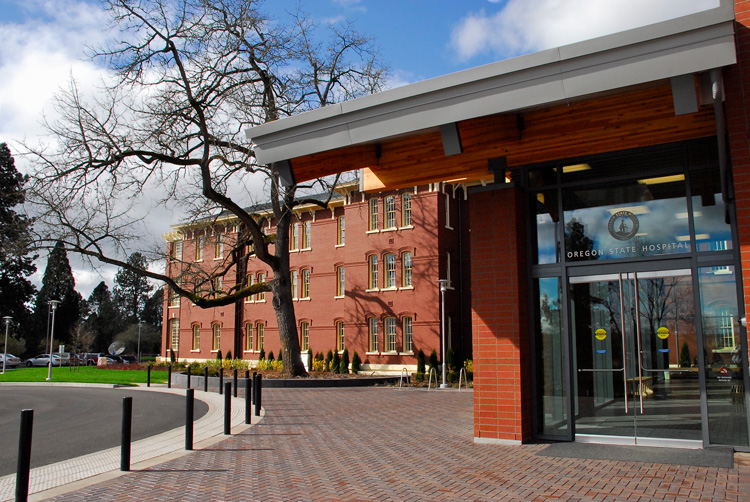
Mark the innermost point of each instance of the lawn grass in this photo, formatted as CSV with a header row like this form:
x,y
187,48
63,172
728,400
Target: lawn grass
x,y
83,374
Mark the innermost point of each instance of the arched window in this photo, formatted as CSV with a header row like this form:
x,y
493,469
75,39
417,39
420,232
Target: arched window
x,y
216,339
196,337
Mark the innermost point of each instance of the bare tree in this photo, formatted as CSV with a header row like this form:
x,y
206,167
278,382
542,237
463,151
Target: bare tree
x,y
188,76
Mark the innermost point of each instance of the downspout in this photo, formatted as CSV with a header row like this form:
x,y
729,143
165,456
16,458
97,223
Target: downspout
x,y
461,303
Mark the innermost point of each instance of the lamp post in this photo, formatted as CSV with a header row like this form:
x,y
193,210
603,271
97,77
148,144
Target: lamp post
x,y
139,340
53,305
443,287
7,319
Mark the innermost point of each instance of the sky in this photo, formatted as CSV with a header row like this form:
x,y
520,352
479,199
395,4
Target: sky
x,y
42,45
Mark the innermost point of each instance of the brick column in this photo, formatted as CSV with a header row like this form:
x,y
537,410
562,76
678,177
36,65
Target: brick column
x,y
502,390
736,82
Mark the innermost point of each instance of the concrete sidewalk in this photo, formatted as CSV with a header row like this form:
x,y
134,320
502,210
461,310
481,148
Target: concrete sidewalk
x,y
62,477
386,444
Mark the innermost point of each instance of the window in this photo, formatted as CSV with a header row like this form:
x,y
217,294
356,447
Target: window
x,y
304,330
406,270
174,334
196,337
390,334
373,214
294,238
174,298
373,268
340,335
199,248
217,285
340,284
406,209
373,346
340,230
248,337
261,297
218,247
306,228
250,282
216,341
390,211
306,283
177,250
406,329
390,271
295,275
260,329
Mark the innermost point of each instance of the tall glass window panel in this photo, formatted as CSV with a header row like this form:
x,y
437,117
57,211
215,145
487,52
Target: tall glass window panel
x,y
174,334
373,206
629,219
550,360
262,295
304,329
406,209
306,231
712,233
340,335
725,356
406,328
373,334
341,231
390,334
390,211
373,272
306,283
248,337
340,281
294,281
547,227
260,330
196,337
294,237
390,271
216,339
406,271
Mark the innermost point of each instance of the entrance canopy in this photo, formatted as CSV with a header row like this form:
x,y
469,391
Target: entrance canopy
x,y
640,87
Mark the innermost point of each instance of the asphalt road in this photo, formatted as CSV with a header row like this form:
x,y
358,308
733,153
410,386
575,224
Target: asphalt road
x,y
73,421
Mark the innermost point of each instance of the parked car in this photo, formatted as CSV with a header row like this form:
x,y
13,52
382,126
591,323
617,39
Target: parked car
x,y
10,360
107,359
129,359
43,360
65,358
91,358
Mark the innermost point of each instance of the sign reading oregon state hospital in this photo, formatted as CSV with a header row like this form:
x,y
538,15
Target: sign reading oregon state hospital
x,y
644,229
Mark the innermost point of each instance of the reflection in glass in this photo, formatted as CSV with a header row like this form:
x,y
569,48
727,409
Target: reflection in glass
x,y
547,225
712,233
724,355
551,367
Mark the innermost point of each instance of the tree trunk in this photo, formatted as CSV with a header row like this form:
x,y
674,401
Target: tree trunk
x,y
286,319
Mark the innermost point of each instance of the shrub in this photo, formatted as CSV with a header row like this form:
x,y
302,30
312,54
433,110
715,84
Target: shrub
x,y
469,365
449,360
328,360
336,362
229,355
318,365
262,354
172,357
356,363
270,356
319,356
419,377
344,365
433,359
281,355
684,356
218,355
309,359
420,362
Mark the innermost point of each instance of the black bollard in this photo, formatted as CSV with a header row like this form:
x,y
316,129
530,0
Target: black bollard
x,y
24,455
255,383
248,407
148,376
205,379
234,383
127,422
227,408
169,377
247,374
188,375
258,392
221,380
189,414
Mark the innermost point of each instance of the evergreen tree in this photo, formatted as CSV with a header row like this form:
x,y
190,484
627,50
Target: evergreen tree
x,y
153,310
16,264
103,319
132,289
57,284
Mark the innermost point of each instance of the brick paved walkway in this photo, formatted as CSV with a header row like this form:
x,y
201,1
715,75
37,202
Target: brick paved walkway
x,y
387,444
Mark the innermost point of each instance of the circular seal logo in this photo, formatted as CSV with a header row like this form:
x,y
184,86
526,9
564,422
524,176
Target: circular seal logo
x,y
623,225
662,333
600,334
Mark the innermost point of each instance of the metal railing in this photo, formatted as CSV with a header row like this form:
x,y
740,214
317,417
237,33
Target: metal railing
x,y
404,372
462,373
429,381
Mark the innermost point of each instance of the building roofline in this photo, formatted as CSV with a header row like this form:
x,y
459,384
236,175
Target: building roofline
x,y
681,46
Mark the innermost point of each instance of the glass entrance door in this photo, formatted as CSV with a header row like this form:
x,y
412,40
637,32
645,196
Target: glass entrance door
x,y
634,340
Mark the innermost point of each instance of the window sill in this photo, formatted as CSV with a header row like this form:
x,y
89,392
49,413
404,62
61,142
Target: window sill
x,y
199,260
339,245
406,227
169,307
372,353
306,299
410,353
390,288
406,288
195,350
390,353
372,290
305,249
372,232
294,250
389,229
338,297
218,258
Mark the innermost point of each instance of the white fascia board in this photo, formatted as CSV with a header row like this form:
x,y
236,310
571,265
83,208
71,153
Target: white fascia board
x,y
680,46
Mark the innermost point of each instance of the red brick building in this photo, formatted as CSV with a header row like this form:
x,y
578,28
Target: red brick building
x,y
364,275
608,188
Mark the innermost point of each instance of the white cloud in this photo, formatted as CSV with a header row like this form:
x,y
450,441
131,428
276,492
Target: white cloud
x,y
524,26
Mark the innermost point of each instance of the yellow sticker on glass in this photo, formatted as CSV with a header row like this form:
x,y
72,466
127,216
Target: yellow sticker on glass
x,y
600,334
662,333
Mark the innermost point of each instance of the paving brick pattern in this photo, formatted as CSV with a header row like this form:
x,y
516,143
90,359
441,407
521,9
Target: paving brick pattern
x,y
385,444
